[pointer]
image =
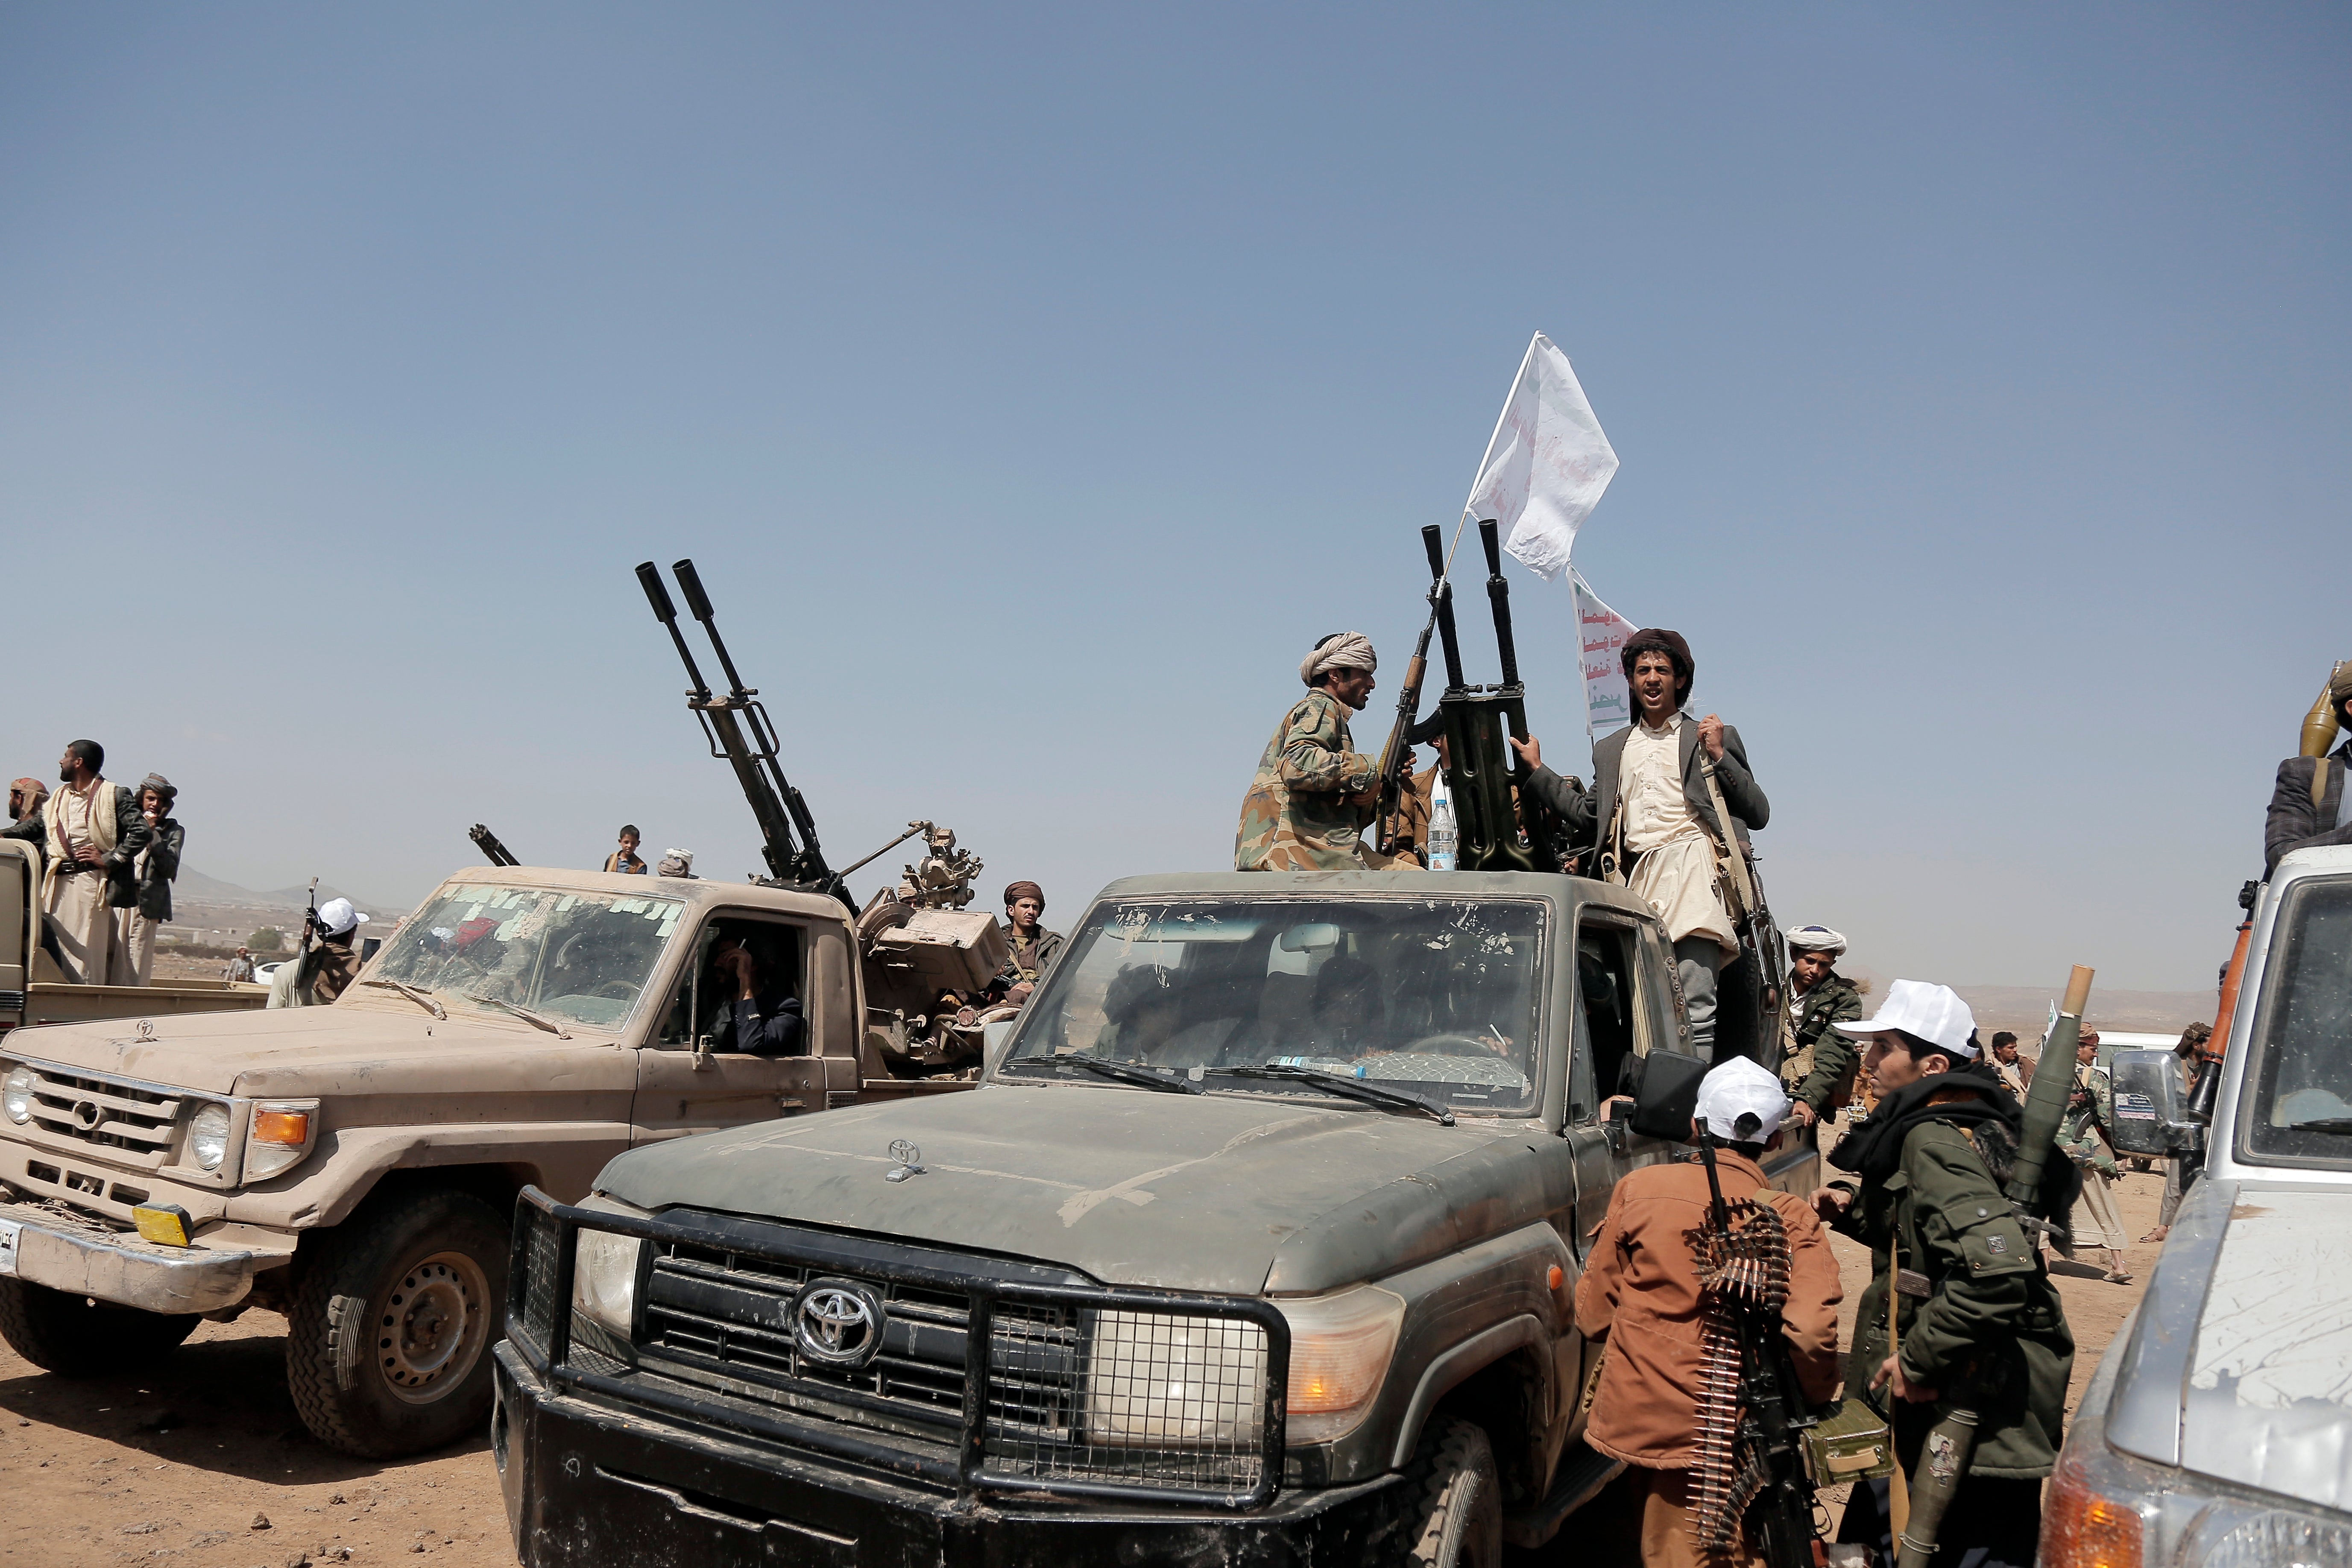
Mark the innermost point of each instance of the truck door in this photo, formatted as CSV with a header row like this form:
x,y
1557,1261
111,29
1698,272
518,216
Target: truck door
x,y
681,1090
1623,1013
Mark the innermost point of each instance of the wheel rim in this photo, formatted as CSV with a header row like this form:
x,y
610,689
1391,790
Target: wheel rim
x,y
431,1326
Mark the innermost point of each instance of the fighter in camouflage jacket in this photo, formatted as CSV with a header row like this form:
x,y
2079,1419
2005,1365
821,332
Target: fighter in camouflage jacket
x,y
1301,814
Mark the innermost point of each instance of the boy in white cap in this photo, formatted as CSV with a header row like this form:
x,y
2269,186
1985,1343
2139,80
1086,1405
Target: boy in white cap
x,y
1641,1290
1977,1311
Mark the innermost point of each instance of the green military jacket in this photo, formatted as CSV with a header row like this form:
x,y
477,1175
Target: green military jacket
x,y
1296,816
1988,1305
2086,1135
1820,1061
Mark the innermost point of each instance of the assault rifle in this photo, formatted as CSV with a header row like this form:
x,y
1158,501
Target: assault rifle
x,y
1781,1517
787,832
1396,757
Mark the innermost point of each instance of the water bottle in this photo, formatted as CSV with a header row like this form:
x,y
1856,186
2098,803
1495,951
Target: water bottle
x,y
1444,835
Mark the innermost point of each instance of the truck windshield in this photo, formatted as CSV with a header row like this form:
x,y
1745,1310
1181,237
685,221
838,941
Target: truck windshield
x,y
2302,1071
1434,995
580,956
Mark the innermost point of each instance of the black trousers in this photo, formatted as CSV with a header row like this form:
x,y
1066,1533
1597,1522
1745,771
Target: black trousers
x,y
1992,1524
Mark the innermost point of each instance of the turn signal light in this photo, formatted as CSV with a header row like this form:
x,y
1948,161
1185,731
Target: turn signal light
x,y
2082,1527
291,1127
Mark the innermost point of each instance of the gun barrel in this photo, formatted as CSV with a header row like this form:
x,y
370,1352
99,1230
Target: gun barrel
x,y
1499,595
1432,539
657,593
690,581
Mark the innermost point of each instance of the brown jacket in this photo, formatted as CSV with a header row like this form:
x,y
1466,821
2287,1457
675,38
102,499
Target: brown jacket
x,y
1641,1289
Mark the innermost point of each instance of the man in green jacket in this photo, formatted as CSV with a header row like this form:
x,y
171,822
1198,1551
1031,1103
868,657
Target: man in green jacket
x,y
1978,1320
1313,792
1817,1064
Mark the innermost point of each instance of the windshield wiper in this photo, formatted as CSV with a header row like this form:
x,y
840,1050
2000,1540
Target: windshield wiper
x,y
414,994
1142,1077
550,1025
2325,1124
1353,1088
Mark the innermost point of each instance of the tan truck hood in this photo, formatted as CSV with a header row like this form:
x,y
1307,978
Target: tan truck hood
x,y
340,1049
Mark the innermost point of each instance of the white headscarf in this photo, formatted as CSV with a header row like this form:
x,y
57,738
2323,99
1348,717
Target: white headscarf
x,y
1340,651
1815,939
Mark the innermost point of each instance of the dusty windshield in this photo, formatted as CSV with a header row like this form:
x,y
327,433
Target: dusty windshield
x,y
1435,996
2303,1075
574,958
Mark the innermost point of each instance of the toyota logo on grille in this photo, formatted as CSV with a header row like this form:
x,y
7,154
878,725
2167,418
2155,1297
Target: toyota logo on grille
x,y
838,1322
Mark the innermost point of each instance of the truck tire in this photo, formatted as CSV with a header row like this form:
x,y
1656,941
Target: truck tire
x,y
1454,1515
388,1336
74,1336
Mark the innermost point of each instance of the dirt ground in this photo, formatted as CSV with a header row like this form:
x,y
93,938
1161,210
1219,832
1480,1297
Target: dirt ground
x,y
177,1466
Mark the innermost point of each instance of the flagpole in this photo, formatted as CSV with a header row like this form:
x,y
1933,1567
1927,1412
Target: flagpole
x,y
1502,414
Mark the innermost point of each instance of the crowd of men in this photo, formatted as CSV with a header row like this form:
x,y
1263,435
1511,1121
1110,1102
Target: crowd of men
x,y
109,856
1960,1293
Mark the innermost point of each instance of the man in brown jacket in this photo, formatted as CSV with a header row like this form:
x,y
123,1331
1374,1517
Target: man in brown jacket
x,y
1641,1290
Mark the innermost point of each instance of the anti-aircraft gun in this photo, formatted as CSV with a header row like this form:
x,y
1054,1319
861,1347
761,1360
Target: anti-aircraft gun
x,y
924,958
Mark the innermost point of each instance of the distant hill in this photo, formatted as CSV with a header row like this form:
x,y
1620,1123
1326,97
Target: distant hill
x,y
195,887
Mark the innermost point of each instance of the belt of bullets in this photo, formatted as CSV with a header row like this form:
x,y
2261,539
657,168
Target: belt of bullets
x,y
1744,1271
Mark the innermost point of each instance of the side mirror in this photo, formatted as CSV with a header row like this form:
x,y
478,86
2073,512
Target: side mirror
x,y
2149,1118
1666,1095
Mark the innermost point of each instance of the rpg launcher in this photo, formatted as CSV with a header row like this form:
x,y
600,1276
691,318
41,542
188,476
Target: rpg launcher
x,y
737,729
1481,772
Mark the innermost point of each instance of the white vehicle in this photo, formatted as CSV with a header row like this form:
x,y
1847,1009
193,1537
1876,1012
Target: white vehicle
x,y
2218,1430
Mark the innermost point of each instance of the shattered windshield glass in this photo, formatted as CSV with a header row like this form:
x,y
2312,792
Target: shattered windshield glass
x,y
2303,1076
581,957
1437,996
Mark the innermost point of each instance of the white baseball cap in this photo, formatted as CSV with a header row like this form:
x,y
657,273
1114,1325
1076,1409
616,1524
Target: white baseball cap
x,y
337,916
1935,1013
1740,1088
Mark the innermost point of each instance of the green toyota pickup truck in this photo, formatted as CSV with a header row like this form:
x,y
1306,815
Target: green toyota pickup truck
x,y
1257,1243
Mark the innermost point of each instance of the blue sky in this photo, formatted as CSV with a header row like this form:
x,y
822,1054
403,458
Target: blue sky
x,y
1032,385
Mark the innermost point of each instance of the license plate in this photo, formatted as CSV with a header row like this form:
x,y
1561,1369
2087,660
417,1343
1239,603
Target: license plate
x,y
8,1229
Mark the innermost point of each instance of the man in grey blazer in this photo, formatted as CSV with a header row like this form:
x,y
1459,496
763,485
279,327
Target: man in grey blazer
x,y
1650,817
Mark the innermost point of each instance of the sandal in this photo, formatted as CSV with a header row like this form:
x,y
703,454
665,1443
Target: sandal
x,y
2154,1235
2117,1277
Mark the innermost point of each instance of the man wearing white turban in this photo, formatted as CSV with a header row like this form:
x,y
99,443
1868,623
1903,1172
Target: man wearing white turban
x,y
1314,791
1817,1062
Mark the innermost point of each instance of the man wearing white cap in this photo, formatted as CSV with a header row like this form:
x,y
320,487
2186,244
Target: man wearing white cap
x,y
327,970
1640,1295
1977,1312
1817,1062
1313,792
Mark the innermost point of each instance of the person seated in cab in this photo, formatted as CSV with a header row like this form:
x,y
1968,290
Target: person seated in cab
x,y
757,1012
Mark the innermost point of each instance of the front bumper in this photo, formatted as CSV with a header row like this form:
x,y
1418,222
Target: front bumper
x,y
592,1483
84,1259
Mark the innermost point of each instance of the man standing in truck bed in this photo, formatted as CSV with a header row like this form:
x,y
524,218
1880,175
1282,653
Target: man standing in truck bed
x,y
93,832
1652,816
1314,791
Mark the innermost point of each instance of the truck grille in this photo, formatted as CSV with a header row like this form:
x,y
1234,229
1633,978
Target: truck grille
x,y
137,1123
733,1313
1082,1389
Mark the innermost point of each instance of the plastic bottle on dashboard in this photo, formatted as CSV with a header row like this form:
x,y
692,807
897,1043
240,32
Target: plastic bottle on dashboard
x,y
1445,836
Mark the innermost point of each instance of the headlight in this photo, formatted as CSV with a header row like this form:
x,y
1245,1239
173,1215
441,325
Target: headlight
x,y
1340,1350
208,1135
281,1135
605,1275
17,1094
1157,1380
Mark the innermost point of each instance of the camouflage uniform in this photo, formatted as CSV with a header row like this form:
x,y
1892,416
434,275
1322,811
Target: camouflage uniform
x,y
1820,1063
1296,816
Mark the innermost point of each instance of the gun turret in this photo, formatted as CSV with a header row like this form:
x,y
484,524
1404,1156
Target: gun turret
x,y
793,858
1481,769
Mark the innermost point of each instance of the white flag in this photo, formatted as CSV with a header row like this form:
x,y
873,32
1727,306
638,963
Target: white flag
x,y
1546,463
1601,634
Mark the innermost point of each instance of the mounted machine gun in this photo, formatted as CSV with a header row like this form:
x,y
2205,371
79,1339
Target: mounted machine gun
x,y
1502,828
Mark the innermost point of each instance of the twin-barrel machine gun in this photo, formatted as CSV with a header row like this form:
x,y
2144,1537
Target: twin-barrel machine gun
x,y
1502,828
925,958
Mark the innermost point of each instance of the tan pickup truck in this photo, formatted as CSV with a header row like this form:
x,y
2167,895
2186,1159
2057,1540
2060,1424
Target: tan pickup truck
x,y
33,989
355,1166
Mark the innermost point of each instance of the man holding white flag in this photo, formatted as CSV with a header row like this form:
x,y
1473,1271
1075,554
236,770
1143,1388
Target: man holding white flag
x,y
1546,465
